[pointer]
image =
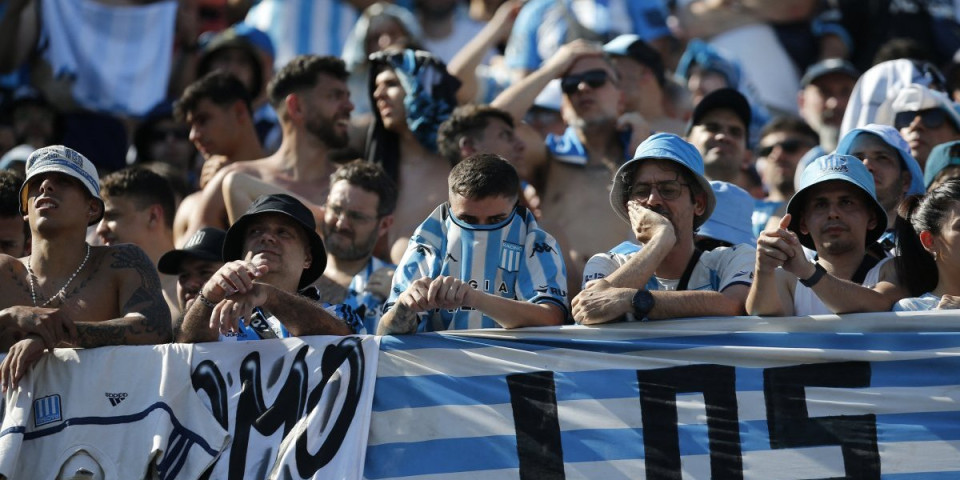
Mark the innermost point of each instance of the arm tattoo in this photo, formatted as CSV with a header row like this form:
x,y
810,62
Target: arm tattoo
x,y
152,326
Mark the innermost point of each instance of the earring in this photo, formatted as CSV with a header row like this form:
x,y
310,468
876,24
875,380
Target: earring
x,y
934,256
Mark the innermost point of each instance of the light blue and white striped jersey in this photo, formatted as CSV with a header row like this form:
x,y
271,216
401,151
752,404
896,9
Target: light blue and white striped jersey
x,y
514,259
119,57
298,27
366,302
927,301
716,270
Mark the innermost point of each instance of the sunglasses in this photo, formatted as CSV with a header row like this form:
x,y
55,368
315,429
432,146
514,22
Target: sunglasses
x,y
931,118
790,146
593,78
669,190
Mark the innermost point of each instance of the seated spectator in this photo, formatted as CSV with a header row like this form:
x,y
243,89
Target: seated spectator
x,y
926,118
478,261
720,130
14,230
836,213
730,225
664,196
942,165
359,212
643,80
272,252
194,264
783,142
927,249
67,293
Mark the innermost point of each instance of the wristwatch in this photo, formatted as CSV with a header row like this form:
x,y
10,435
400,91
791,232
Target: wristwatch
x,y
818,273
642,304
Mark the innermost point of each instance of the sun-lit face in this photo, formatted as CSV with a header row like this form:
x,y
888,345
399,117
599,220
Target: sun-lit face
x,y
597,103
388,95
326,110
213,128
837,215
721,137
662,178
781,152
124,222
883,161
191,276
499,137
283,244
55,199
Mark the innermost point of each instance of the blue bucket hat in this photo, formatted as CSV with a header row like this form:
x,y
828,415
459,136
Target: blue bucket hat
x,y
733,223
891,137
666,146
835,167
942,156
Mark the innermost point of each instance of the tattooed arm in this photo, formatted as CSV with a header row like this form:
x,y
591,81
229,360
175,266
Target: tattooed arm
x,y
145,317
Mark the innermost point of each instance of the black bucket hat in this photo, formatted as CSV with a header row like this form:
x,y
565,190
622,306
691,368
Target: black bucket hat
x,y
286,205
206,244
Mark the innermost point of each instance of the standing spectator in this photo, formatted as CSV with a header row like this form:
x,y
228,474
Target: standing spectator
x,y
925,118
643,80
824,93
783,142
720,130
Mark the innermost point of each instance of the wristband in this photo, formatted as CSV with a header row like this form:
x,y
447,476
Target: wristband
x,y
206,301
818,273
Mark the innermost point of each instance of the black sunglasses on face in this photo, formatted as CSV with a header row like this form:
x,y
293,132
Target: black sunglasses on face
x,y
790,145
594,78
931,118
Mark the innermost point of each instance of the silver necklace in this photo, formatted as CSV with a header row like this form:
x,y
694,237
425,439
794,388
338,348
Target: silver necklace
x,y
34,287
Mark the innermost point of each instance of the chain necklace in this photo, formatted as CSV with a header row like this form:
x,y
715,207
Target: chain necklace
x,y
63,289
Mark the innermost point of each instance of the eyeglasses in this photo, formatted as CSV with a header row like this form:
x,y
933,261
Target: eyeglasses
x,y
353,216
790,145
931,118
669,189
593,78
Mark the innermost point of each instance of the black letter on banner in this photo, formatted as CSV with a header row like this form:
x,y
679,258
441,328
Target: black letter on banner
x,y
533,397
207,377
252,410
350,351
790,424
658,409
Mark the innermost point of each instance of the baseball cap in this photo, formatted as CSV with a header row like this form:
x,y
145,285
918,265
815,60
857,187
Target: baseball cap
x,y
65,160
632,46
826,67
835,167
941,156
666,146
891,137
917,97
733,223
550,98
205,244
728,98
286,205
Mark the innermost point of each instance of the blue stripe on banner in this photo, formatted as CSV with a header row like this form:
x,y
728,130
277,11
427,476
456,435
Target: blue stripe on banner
x,y
449,342
445,456
892,342
921,476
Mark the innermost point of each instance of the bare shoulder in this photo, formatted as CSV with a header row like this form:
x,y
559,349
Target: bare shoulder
x,y
124,257
13,278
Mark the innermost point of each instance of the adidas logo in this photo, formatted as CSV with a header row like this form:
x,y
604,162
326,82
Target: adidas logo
x,y
116,398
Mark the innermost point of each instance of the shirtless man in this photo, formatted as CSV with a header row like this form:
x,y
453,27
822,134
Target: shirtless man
x,y
404,141
67,293
217,110
312,100
599,138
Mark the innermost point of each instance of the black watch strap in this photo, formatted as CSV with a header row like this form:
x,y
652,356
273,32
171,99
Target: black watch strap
x,y
642,304
818,274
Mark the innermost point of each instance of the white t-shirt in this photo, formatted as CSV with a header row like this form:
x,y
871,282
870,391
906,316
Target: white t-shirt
x,y
806,301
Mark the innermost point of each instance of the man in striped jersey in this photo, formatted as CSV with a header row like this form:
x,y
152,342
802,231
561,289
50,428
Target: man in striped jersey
x,y
478,261
663,194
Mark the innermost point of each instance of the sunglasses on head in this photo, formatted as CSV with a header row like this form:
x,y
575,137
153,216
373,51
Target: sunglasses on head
x,y
931,118
790,145
594,78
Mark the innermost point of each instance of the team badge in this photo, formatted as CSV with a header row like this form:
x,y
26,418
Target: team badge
x,y
47,410
511,255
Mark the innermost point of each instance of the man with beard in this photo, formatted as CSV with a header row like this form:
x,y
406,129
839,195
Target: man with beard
x,y
926,118
311,98
664,196
600,136
824,92
359,212
835,212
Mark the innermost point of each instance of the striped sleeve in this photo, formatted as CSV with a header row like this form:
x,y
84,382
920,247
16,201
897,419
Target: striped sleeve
x,y
736,266
421,259
544,276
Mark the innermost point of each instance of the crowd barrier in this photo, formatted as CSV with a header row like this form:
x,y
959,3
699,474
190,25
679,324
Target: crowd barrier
x,y
858,396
